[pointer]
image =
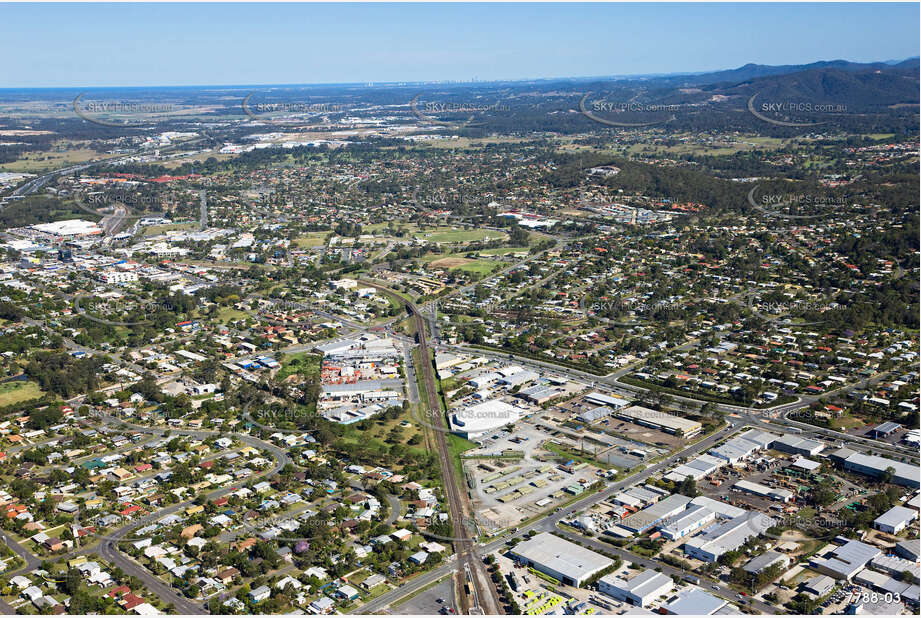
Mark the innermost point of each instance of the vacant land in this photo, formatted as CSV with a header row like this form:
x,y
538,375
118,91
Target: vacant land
x,y
453,235
311,240
35,162
450,262
16,392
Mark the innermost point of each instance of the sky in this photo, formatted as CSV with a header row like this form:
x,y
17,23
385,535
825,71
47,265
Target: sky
x,y
67,45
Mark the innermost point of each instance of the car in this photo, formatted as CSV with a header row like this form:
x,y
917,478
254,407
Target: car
x,y
715,587
439,601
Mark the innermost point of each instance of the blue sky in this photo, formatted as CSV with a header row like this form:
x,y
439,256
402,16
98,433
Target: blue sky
x,y
48,45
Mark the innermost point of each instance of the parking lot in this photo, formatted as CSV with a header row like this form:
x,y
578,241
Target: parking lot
x,y
426,602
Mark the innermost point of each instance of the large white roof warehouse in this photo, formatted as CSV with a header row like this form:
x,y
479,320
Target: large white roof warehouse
x,y
567,562
69,227
482,418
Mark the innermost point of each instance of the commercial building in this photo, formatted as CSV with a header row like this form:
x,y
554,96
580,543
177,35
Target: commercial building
x,y
697,468
595,414
719,539
884,430
566,562
871,465
600,399
539,394
687,522
765,561
846,561
895,519
722,509
659,420
640,590
798,445
694,602
735,450
68,228
518,378
654,515
819,585
475,421
763,491
910,549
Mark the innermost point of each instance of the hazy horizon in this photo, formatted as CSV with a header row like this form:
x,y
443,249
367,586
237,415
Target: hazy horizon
x,y
210,45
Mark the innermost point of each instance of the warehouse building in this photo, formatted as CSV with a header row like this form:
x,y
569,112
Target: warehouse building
x,y
846,561
477,420
654,515
640,590
722,509
566,562
719,539
687,522
884,430
895,519
662,421
871,465
735,450
798,445
595,414
694,602
539,394
697,468
763,491
600,399
765,561
518,378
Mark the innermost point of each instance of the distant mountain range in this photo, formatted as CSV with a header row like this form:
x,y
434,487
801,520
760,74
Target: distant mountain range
x,y
859,86
752,71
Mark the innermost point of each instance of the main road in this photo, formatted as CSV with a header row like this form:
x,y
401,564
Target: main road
x,y
549,523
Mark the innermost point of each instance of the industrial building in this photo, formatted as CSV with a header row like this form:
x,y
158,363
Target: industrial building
x,y
652,516
884,430
697,468
640,590
763,491
846,561
798,445
765,561
477,420
539,394
600,399
719,539
722,509
566,562
662,421
895,519
687,522
595,414
694,602
743,446
871,465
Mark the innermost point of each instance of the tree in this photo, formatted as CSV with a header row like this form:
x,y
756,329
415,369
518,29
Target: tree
x,y
688,487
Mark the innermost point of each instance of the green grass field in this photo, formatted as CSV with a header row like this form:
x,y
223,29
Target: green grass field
x,y
304,363
311,240
17,392
153,230
483,267
450,235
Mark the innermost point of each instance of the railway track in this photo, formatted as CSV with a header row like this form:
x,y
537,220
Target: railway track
x,y
472,585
